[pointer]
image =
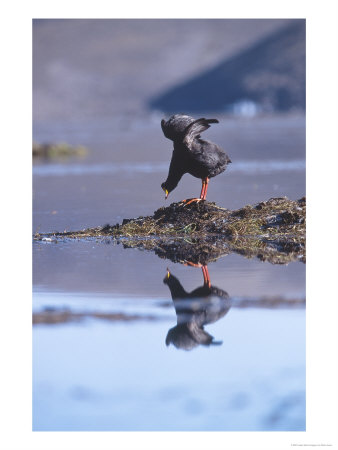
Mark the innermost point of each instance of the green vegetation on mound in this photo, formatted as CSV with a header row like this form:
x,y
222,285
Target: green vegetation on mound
x,y
201,232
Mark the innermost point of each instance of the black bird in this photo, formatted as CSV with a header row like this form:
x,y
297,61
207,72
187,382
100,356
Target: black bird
x,y
191,154
204,305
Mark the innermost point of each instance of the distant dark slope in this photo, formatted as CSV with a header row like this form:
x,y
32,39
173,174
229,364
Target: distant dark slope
x,y
270,73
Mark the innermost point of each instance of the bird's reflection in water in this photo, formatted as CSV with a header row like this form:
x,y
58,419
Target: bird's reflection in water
x,y
204,305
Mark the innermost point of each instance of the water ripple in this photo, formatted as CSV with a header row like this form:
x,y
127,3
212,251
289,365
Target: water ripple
x,y
247,167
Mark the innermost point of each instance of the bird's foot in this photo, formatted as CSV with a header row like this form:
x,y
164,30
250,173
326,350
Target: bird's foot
x,y
188,201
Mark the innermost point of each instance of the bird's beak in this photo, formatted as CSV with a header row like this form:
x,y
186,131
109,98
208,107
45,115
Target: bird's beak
x,y
168,273
166,194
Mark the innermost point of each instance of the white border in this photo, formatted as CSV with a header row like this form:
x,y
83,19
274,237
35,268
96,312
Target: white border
x,y
322,123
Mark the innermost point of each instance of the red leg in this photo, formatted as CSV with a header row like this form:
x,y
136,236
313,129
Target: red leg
x,y
202,190
205,183
203,193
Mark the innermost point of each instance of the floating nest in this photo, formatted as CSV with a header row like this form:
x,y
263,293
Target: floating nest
x,y
273,230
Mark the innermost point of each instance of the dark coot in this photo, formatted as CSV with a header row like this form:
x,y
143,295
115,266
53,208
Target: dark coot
x,y
191,154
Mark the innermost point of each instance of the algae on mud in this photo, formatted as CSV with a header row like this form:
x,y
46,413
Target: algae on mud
x,y
201,232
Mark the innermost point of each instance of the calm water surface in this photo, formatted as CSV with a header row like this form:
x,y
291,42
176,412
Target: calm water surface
x,y
228,361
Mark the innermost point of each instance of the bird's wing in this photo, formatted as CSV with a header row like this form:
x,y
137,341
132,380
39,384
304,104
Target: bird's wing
x,y
195,128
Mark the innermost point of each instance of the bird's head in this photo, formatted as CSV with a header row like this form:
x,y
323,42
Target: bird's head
x,y
165,189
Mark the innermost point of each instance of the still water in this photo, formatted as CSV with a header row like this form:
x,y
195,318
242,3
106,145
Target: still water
x,y
144,344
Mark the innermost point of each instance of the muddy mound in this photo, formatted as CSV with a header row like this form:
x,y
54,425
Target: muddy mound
x,y
277,215
201,232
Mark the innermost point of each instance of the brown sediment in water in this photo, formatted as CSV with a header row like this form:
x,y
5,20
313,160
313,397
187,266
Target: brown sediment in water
x,y
55,316
273,230
56,151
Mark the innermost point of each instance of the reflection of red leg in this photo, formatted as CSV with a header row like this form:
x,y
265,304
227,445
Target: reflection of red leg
x,y
206,276
189,263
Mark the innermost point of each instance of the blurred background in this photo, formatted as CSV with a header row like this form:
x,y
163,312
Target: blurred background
x,y
100,90
84,69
